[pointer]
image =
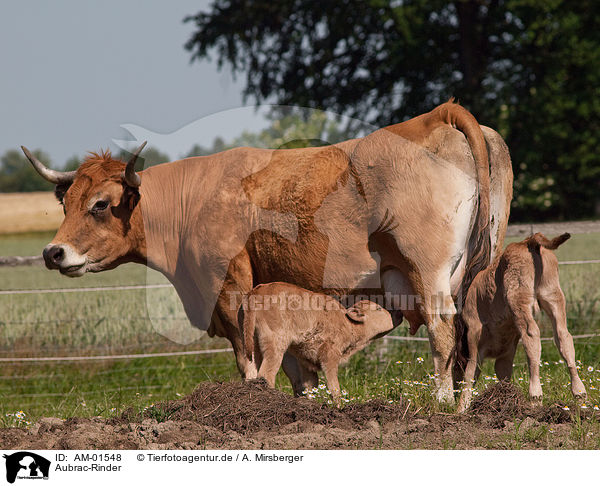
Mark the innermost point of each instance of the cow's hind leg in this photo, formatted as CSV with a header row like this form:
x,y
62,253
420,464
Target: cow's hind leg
x,y
432,304
442,341
553,304
440,312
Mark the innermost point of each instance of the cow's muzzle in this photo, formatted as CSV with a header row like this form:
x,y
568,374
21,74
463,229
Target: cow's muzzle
x,y
53,256
63,258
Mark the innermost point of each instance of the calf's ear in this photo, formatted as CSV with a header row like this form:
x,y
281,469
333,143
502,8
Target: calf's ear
x,y
355,315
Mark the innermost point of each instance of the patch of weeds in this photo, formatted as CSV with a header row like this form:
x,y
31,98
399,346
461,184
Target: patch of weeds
x,y
535,434
161,413
16,419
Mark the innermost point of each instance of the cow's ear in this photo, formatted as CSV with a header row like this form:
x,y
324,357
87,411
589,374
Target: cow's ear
x,y
60,190
131,197
355,315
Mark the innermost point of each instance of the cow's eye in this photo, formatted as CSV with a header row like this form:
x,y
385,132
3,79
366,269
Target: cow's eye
x,y
99,206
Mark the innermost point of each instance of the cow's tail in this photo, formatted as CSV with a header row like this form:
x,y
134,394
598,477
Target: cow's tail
x,y
536,241
248,327
479,247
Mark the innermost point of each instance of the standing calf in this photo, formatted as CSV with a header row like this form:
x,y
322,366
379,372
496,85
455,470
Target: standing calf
x,y
499,311
315,328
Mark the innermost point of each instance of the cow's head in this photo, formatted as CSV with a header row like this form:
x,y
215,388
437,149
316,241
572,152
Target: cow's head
x,y
100,200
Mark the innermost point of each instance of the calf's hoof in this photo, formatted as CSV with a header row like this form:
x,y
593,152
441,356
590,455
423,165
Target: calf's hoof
x,y
535,400
578,390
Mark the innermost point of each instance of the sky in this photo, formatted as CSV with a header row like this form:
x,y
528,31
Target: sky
x,y
73,72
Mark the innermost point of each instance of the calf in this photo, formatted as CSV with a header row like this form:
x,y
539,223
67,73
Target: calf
x,y
499,311
315,328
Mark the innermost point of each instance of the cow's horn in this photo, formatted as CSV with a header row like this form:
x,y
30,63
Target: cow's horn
x,y
129,176
51,175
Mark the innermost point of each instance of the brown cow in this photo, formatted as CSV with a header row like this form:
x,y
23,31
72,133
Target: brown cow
x,y
406,212
315,328
499,312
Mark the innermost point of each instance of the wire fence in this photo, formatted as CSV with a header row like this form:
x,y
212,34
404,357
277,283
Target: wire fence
x,y
12,261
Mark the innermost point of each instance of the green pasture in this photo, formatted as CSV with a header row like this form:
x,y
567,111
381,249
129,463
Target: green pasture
x,y
137,321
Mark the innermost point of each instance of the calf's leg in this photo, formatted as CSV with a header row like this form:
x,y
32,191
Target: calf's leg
x,y
474,328
271,361
330,368
504,364
553,304
530,335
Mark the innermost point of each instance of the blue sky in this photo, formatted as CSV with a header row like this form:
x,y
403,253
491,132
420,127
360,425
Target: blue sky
x,y
72,72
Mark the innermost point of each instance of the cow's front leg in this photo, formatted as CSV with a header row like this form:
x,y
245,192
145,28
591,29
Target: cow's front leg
x,y
228,313
222,326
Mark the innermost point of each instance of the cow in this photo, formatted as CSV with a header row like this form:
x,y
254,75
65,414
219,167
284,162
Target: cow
x,y
499,308
315,328
410,213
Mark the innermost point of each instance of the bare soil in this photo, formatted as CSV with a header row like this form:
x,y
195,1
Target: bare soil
x,y
252,416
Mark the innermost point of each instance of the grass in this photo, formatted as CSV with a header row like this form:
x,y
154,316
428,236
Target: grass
x,y
115,322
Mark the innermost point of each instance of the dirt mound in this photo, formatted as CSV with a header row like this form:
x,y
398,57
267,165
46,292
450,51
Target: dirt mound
x,y
253,406
253,416
500,402
504,402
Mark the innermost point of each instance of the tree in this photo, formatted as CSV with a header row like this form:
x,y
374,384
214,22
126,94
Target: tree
x,y
530,68
17,174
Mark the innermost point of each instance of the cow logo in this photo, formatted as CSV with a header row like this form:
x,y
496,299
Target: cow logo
x,y
26,465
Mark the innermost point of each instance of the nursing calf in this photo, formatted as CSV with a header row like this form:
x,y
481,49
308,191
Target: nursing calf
x,y
499,310
315,328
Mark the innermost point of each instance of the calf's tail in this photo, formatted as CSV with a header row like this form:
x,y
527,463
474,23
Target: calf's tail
x,y
536,241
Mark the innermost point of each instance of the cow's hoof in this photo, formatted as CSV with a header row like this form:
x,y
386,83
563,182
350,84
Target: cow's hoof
x,y
445,396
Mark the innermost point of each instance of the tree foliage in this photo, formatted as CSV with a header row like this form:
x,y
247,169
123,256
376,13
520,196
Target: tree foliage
x,y
17,174
529,68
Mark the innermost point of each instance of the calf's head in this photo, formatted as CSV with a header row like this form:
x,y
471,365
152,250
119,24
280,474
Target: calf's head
x,y
100,200
373,318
